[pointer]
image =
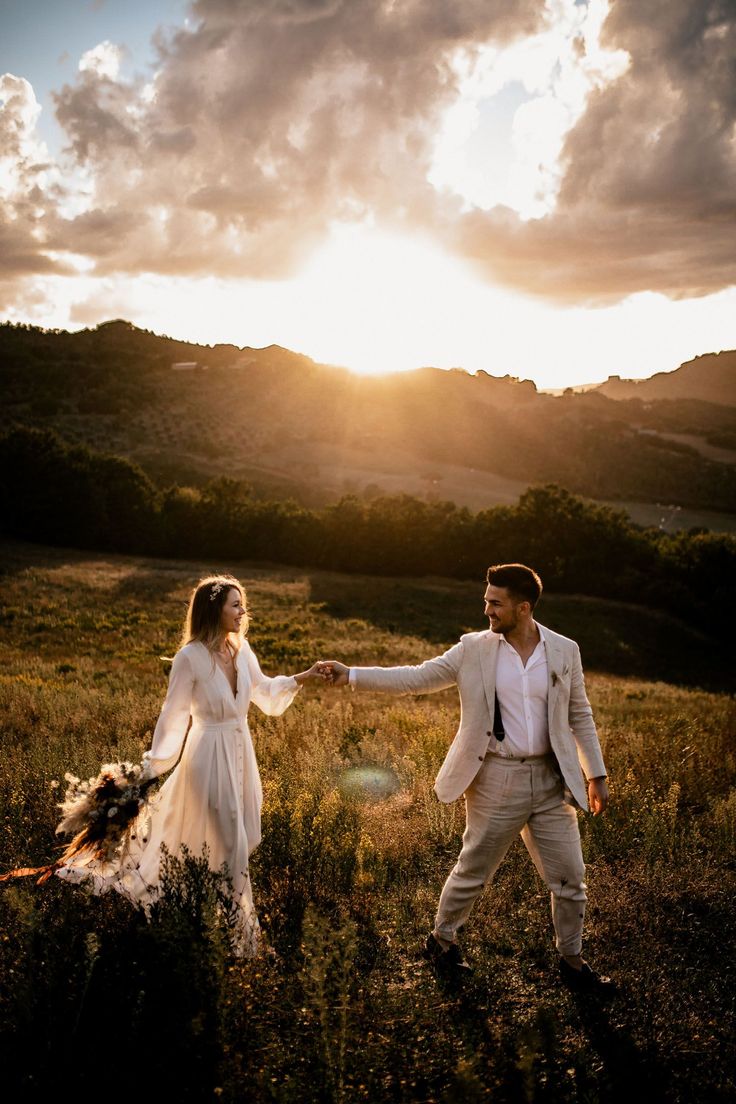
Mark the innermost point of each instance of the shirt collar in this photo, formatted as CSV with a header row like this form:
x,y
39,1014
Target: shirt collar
x,y
542,637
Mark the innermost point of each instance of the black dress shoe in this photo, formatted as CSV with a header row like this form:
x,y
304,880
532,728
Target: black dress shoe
x,y
450,962
586,980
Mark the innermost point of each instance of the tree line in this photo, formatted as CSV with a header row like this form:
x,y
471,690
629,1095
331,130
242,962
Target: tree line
x,y
115,384
61,494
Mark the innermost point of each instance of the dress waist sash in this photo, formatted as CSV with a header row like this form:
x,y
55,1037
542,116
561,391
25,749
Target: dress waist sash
x,y
217,726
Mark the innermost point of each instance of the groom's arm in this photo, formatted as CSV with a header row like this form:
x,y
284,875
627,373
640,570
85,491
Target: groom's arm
x,y
434,674
580,716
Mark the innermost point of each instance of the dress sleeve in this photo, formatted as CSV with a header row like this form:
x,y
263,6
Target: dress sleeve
x,y
173,721
272,695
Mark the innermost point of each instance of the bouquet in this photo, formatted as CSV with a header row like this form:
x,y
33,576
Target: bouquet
x,y
99,813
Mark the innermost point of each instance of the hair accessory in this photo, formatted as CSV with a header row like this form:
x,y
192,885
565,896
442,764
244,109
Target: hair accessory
x,y
217,587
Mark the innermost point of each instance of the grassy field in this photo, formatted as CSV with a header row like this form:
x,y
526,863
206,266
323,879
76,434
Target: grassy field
x,y
347,877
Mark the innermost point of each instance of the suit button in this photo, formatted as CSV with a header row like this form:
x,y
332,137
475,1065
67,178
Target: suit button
x,y
489,733
480,758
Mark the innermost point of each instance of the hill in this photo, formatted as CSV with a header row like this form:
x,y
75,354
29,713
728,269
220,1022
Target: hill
x,y
292,427
347,875
709,378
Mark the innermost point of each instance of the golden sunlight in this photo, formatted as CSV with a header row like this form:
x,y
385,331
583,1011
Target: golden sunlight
x,y
376,303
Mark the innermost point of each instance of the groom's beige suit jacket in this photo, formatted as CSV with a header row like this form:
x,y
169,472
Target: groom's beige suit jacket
x,y
471,666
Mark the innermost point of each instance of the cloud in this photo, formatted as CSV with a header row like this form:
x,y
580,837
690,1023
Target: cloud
x,y
265,123
548,78
647,195
104,59
29,190
268,120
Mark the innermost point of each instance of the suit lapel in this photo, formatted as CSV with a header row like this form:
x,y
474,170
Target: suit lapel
x,y
488,655
488,660
555,664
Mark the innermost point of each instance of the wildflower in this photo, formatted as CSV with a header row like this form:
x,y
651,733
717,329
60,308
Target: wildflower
x,y
99,814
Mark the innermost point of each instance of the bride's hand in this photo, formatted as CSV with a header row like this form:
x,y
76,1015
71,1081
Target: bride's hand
x,y
147,773
334,673
318,670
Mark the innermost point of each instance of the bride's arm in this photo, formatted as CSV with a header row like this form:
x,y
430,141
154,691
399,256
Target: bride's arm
x,y
173,721
274,695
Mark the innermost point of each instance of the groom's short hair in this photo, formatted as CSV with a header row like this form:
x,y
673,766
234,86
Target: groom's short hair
x,y
520,581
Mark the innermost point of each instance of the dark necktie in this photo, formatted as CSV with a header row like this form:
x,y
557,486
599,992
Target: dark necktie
x,y
498,731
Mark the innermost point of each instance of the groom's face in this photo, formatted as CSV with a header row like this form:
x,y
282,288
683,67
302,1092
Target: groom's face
x,y
501,609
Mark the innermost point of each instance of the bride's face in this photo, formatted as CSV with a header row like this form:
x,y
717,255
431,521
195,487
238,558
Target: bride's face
x,y
233,611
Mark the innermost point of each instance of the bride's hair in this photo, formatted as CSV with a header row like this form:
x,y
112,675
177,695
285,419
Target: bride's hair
x,y
205,607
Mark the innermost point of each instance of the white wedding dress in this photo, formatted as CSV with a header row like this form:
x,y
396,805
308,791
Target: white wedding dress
x,y
213,796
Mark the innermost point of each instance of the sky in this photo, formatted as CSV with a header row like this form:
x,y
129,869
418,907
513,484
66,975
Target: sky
x,y
540,188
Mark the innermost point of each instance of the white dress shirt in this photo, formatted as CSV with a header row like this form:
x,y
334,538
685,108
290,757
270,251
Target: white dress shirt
x,y
522,697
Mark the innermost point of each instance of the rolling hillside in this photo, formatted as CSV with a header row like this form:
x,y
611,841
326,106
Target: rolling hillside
x,y
709,378
354,853
292,427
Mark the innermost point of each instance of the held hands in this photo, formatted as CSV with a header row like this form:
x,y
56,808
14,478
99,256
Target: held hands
x,y
333,672
314,672
597,795
329,671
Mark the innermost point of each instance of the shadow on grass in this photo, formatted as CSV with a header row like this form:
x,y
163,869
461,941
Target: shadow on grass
x,y
518,1051
630,1071
615,638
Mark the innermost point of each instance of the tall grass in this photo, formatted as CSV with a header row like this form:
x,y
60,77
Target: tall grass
x,y
342,1007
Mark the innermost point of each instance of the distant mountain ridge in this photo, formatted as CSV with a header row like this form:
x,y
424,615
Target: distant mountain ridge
x,y
710,378
290,426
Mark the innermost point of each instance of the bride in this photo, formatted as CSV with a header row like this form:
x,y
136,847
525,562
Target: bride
x,y
213,795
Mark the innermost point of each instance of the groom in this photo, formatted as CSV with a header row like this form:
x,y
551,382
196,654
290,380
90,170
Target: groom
x,y
526,738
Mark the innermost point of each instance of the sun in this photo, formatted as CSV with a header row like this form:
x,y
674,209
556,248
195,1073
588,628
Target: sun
x,y
370,300
382,302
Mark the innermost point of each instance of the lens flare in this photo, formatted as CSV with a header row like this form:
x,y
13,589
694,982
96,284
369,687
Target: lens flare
x,y
369,783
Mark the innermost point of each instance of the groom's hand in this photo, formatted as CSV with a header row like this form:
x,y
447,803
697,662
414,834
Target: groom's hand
x,y
334,673
597,795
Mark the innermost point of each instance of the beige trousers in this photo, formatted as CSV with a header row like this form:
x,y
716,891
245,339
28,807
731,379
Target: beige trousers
x,y
508,797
